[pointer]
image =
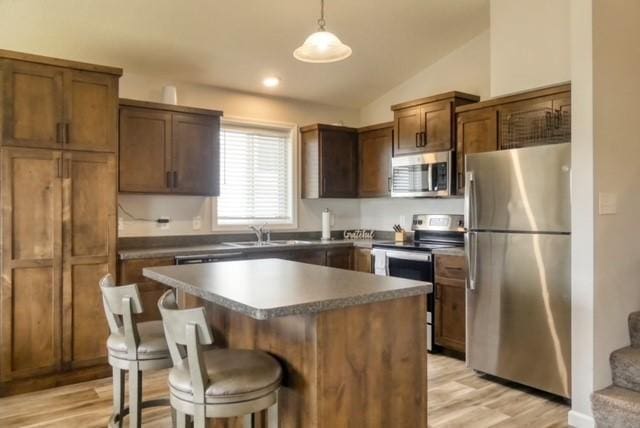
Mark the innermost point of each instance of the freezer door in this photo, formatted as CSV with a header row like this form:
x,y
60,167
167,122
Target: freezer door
x,y
519,190
519,313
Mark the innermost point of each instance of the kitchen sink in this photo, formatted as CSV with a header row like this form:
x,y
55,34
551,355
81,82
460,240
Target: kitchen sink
x,y
279,243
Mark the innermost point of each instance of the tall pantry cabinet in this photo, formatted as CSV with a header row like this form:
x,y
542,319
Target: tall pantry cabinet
x,y
58,135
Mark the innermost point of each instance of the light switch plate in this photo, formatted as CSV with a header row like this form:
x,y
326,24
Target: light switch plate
x,y
197,223
607,203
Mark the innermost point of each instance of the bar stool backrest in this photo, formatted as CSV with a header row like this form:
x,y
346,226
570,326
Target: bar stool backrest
x,y
120,304
186,330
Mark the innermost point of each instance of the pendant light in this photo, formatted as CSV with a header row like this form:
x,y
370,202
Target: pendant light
x,y
322,46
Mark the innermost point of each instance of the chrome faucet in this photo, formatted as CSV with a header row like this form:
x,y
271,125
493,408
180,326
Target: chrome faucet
x,y
260,231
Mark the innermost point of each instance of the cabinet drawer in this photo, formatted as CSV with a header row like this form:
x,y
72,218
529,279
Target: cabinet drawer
x,y
453,267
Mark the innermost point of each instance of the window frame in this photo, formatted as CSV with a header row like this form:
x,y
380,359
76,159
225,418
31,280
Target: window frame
x,y
241,226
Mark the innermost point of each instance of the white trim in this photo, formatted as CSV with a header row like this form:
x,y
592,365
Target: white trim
x,y
293,182
580,420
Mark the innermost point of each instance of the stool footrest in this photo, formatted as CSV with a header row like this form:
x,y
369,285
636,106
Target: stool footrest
x,y
115,418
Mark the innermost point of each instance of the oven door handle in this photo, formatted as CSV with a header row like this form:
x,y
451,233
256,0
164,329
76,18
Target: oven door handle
x,y
409,255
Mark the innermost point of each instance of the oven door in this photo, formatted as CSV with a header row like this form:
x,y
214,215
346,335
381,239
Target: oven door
x,y
428,174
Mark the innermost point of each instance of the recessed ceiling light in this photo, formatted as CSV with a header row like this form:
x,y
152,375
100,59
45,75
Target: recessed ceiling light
x,y
271,82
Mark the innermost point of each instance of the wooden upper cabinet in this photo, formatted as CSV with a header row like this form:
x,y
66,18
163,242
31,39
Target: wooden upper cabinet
x,y
54,107
477,132
145,134
30,308
89,252
179,147
91,111
32,104
426,124
375,147
196,154
329,161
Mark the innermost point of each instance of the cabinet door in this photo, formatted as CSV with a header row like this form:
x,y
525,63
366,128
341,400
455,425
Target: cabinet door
x,y
338,164
30,308
145,151
407,129
310,164
196,155
450,314
314,257
362,260
91,109
436,123
375,148
477,132
340,258
32,105
89,237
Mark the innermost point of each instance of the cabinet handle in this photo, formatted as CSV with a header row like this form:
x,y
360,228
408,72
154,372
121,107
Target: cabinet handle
x,y
423,138
417,143
59,175
437,292
389,184
175,178
59,139
67,169
67,132
169,179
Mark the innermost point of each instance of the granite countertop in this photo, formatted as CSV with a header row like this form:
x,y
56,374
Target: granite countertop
x,y
269,288
216,249
452,251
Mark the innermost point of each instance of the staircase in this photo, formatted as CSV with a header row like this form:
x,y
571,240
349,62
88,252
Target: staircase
x,y
618,406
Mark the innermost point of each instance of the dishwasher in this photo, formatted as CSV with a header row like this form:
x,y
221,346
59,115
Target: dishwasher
x,y
208,258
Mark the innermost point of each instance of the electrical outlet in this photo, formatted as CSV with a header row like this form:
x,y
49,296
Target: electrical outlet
x,y
164,226
607,203
403,219
197,223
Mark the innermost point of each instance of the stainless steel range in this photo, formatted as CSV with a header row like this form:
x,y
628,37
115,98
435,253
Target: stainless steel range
x,y
414,260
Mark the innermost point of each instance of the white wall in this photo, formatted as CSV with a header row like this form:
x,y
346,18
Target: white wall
x,y
529,44
582,214
616,90
182,209
466,69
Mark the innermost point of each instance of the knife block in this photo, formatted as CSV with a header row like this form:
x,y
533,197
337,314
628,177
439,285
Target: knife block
x,y
400,236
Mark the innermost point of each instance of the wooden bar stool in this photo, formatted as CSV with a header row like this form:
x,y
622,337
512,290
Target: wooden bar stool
x,y
215,383
133,347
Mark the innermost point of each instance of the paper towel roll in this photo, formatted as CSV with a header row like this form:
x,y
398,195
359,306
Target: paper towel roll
x,y
326,224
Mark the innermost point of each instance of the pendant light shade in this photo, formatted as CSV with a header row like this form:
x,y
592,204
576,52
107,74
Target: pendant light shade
x,y
322,46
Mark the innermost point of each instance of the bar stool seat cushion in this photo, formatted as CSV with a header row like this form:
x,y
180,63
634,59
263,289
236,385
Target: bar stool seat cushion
x,y
234,375
153,344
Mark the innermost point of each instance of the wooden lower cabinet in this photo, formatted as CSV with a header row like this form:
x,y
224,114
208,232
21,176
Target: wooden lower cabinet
x,y
59,233
450,305
130,271
362,260
341,258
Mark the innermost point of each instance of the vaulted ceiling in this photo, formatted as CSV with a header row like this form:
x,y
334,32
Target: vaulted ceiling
x,y
234,44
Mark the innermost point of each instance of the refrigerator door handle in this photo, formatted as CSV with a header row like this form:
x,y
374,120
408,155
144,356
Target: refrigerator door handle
x,y
471,252
469,197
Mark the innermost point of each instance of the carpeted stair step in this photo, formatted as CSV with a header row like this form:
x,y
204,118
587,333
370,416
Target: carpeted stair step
x,y
634,328
615,407
625,367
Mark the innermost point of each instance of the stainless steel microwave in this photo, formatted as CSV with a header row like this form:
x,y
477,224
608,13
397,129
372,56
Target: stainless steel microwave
x,y
423,175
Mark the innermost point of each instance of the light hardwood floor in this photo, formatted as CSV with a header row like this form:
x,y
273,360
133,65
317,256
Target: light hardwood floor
x,y
457,398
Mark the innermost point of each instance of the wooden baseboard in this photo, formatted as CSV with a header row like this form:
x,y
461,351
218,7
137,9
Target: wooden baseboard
x,y
21,386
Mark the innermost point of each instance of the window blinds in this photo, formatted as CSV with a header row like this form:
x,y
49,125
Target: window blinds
x,y
254,175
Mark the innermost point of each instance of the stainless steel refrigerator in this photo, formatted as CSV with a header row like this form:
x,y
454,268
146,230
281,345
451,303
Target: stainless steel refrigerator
x,y
518,245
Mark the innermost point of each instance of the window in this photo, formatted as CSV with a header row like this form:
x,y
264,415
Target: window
x,y
256,174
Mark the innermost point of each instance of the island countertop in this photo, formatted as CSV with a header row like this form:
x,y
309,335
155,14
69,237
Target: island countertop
x,y
269,288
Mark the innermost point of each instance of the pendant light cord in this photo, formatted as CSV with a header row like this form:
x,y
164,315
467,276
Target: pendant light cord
x,y
321,21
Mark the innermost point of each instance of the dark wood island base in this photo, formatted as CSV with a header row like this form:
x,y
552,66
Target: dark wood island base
x,y
360,366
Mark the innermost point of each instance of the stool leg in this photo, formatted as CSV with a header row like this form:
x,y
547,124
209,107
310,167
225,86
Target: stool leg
x,y
248,421
181,420
199,418
135,396
118,393
272,416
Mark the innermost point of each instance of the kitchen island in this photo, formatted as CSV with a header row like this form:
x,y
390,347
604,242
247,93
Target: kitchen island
x,y
352,344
